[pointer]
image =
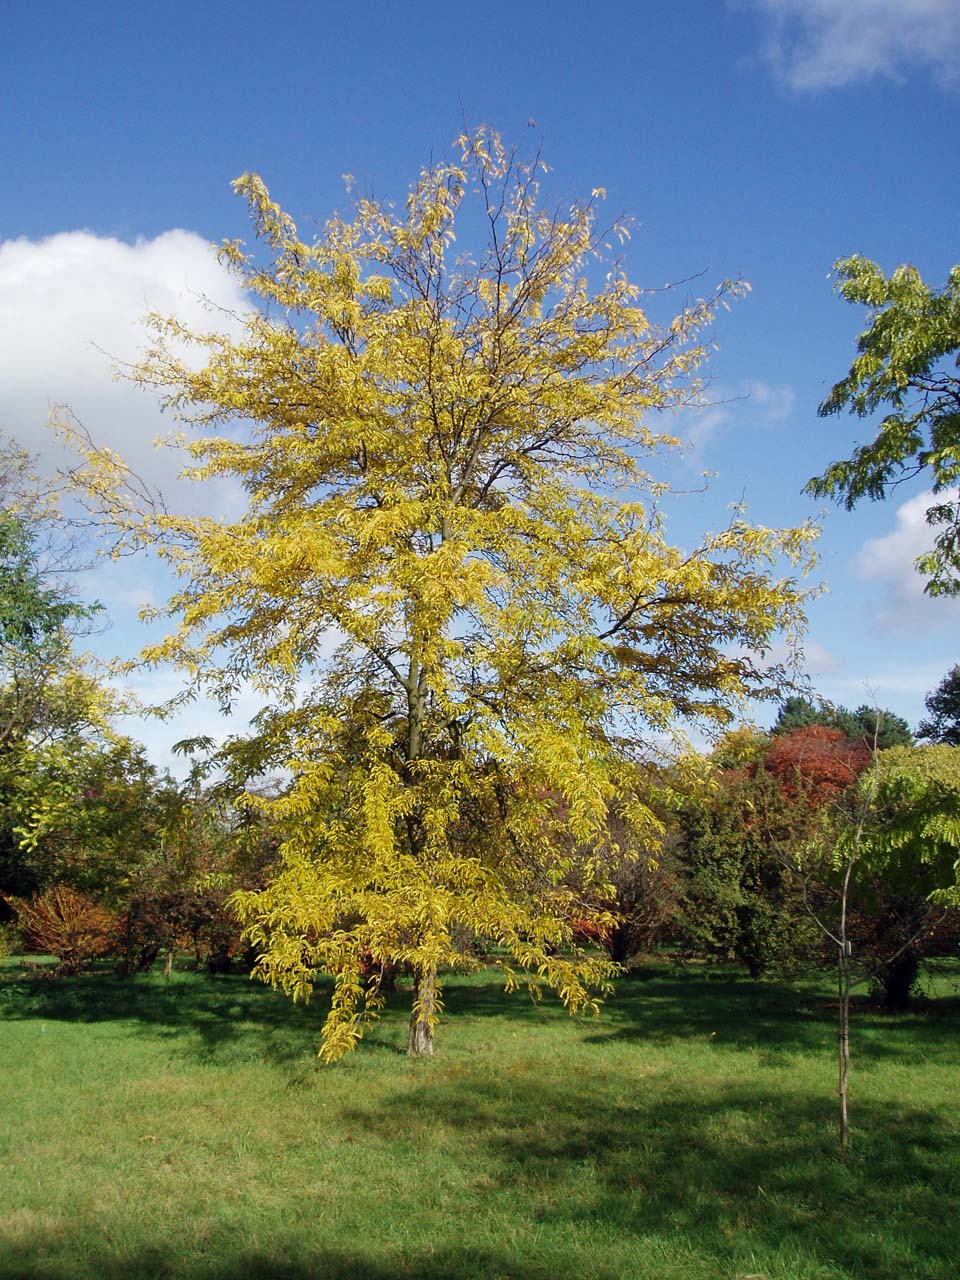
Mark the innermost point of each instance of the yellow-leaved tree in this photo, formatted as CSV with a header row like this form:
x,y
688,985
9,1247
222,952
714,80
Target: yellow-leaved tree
x,y
444,461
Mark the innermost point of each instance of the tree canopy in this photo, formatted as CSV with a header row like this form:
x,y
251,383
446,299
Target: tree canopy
x,y
944,708
444,456
906,364
815,765
911,838
49,702
874,725
42,688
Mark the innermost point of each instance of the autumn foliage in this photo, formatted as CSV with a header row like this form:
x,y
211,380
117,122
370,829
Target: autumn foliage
x,y
815,765
446,416
67,924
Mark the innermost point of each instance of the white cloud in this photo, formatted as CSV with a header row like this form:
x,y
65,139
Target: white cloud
x,y
750,403
200,718
889,560
908,683
71,306
823,44
818,660
775,403
704,427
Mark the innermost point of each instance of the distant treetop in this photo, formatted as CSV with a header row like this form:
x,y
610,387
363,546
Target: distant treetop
x,y
944,708
870,723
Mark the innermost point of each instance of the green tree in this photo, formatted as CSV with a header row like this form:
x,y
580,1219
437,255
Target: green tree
x,y
912,837
893,844
797,712
743,839
37,619
444,460
944,708
906,364
87,811
736,901
46,696
875,726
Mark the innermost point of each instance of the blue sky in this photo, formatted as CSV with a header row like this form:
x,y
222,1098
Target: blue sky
x,y
763,138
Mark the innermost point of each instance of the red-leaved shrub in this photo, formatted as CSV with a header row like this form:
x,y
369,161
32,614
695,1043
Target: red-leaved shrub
x,y
67,924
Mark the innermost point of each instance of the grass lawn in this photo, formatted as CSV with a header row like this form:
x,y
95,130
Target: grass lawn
x,y
182,1129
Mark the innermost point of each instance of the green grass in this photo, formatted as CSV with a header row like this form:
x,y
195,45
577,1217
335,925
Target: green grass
x,y
183,1130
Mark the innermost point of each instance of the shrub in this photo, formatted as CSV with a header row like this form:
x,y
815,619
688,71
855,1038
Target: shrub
x,y
67,924
9,939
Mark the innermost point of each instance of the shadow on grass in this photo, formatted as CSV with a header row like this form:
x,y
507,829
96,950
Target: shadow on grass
x,y
743,1177
735,1183
217,1017
208,1014
663,1006
738,1174
157,1264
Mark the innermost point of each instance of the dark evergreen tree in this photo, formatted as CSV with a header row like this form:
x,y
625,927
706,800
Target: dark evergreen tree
x,y
873,724
944,708
739,899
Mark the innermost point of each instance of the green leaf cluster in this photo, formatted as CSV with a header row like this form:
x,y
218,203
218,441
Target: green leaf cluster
x,y
943,704
907,367
911,837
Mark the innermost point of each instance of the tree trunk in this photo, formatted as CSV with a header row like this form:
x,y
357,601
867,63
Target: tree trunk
x,y
424,1002
898,978
843,1040
618,944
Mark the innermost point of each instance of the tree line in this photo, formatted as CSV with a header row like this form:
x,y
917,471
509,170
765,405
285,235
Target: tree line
x,y
102,855
447,421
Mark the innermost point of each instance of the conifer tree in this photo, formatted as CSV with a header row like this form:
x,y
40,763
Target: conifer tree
x,y
943,706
